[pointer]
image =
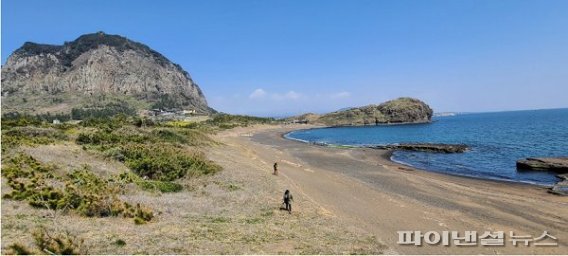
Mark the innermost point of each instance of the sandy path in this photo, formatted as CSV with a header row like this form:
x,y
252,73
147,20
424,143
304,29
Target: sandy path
x,y
362,189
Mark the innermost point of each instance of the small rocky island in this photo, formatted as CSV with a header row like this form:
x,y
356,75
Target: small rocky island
x,y
553,164
403,110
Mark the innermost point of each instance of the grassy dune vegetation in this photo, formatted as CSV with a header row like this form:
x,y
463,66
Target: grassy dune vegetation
x,y
157,155
132,185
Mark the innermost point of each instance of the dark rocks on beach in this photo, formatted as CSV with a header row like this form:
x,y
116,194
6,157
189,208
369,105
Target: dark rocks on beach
x,y
554,164
557,164
427,147
561,187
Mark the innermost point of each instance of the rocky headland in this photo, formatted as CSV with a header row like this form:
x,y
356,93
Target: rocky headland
x,y
98,67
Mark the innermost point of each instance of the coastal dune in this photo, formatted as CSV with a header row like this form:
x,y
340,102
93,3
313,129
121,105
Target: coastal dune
x,y
365,190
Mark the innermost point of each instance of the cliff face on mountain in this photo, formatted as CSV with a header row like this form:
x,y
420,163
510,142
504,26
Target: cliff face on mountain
x,y
401,110
95,67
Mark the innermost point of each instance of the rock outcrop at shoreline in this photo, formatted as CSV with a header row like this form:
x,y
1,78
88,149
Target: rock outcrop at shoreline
x,y
561,187
427,147
40,78
553,164
557,164
398,111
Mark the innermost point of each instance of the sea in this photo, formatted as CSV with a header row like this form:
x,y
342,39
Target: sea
x,y
496,141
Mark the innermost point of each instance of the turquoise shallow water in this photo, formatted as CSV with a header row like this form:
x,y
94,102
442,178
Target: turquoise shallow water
x,y
496,141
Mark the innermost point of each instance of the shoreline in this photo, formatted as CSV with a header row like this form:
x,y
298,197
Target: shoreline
x,y
365,189
388,157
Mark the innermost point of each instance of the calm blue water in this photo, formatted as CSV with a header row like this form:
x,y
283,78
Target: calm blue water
x,y
496,141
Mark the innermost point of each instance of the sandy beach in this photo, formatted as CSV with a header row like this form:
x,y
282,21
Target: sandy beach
x,y
346,201
363,190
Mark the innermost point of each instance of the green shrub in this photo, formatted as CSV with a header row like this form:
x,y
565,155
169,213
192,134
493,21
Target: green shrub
x,y
111,137
142,122
106,122
60,244
169,135
151,185
131,134
103,111
31,136
139,221
18,249
162,186
119,242
182,124
83,191
15,119
226,121
165,162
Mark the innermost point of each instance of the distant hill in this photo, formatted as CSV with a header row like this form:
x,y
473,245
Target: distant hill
x,y
92,71
401,110
442,114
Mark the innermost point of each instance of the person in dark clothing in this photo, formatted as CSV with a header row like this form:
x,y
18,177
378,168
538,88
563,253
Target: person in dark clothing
x,y
275,169
288,198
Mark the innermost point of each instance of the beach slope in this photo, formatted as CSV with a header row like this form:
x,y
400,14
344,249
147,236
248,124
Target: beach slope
x,y
362,189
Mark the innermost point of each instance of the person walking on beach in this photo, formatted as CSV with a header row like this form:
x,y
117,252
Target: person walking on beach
x,y
275,169
288,198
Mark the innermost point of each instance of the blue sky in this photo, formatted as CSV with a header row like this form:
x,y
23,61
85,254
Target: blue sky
x,y
287,57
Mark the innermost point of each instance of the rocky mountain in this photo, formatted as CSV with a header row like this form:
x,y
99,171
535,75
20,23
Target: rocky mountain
x,y
94,69
401,110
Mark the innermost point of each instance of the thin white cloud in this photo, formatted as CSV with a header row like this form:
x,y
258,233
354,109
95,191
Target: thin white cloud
x,y
257,94
291,95
340,95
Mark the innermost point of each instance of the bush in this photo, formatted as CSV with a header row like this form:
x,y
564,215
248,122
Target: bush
x,y
31,136
97,138
151,185
83,191
168,135
182,124
143,122
18,249
112,136
103,112
119,242
240,119
60,244
15,119
124,135
106,122
166,163
189,137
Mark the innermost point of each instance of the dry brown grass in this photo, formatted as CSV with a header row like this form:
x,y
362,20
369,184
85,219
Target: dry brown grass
x,y
235,211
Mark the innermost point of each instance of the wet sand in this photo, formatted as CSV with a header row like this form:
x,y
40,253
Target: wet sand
x,y
363,188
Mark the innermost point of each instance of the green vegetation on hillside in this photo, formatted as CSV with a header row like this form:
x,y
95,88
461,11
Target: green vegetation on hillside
x,y
226,121
108,110
81,191
157,153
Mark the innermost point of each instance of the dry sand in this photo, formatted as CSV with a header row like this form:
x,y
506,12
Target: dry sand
x,y
363,188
